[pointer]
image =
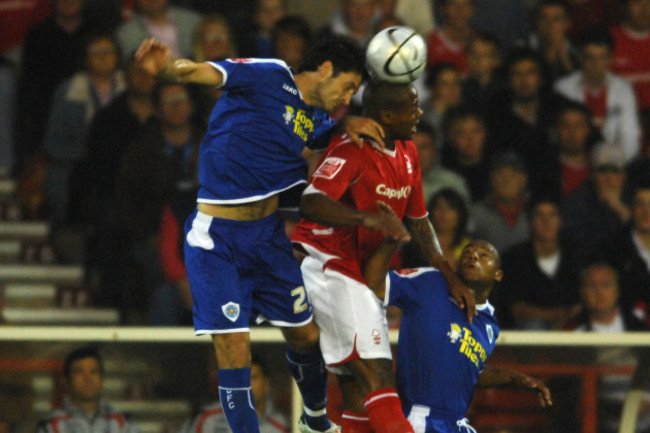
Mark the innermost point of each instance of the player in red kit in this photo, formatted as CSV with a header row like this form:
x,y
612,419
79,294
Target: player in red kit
x,y
341,209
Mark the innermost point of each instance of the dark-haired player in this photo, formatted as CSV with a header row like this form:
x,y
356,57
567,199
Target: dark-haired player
x,y
441,356
240,264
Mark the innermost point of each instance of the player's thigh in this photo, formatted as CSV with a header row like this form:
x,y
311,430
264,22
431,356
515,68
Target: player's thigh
x,y
372,374
279,295
221,296
349,316
302,338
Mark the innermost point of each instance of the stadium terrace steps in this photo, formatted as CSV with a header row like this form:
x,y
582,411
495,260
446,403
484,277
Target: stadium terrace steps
x,y
61,316
58,274
24,230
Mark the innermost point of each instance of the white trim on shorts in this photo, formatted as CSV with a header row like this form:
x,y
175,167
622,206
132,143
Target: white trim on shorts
x,y
283,324
220,331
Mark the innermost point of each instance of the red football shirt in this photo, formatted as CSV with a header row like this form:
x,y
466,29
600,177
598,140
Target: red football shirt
x,y
632,62
359,178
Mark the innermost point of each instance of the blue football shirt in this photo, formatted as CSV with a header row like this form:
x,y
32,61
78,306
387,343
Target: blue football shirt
x,y
439,354
256,133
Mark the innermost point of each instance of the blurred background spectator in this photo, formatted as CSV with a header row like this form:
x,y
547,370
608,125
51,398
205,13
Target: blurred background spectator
x,y
290,38
501,218
520,118
447,43
434,175
597,211
157,18
444,93
483,81
539,288
51,53
610,98
550,39
74,105
157,170
631,254
466,150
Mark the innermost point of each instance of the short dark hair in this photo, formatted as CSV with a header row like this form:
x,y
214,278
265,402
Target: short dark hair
x,y
437,70
537,200
461,113
574,106
549,3
344,54
293,25
456,201
596,36
518,55
161,85
79,354
486,37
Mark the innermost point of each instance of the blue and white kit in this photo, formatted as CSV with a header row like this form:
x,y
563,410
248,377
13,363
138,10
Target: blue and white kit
x,y
242,270
440,354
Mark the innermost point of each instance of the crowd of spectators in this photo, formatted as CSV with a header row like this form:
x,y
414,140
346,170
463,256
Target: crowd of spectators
x,y
535,136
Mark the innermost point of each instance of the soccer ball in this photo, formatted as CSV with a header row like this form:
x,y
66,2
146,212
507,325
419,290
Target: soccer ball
x,y
396,54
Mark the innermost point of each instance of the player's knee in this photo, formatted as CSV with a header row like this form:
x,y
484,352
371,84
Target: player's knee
x,y
232,350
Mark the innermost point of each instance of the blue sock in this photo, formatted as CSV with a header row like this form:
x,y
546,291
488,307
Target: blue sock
x,y
308,369
237,400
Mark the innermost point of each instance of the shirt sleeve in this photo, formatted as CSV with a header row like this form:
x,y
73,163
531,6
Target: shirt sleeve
x,y
246,73
340,168
323,131
410,289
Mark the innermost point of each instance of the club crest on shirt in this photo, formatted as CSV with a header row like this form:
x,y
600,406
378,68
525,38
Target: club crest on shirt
x,y
330,167
454,334
231,311
490,333
289,114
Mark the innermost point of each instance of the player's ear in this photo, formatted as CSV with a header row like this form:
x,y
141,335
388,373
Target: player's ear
x,y
498,275
386,117
326,69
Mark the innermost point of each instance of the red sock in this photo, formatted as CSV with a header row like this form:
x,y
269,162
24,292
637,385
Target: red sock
x,y
353,422
385,412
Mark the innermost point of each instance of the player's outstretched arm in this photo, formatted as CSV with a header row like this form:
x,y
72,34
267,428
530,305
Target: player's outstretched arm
x,y
378,264
323,210
155,57
377,267
427,240
494,377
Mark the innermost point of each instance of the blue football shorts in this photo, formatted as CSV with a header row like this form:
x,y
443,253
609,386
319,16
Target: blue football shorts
x,y
241,271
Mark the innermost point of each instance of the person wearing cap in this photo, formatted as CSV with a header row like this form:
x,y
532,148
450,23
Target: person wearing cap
x,y
501,217
597,211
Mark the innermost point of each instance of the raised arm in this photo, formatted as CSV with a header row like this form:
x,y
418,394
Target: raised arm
x,y
427,240
323,210
155,57
496,377
377,267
